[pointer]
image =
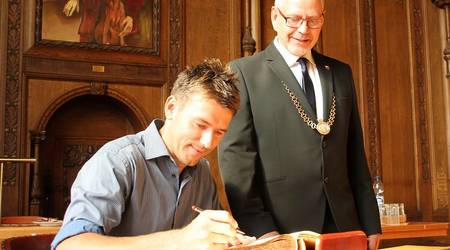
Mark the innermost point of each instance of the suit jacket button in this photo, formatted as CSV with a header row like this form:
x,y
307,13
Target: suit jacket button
x,y
325,180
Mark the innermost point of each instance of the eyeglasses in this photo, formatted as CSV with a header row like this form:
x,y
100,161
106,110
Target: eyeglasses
x,y
296,22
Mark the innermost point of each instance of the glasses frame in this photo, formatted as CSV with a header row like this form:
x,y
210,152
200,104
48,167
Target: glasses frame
x,y
307,20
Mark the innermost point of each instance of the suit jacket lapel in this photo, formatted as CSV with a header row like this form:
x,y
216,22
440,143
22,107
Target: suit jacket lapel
x,y
284,73
326,80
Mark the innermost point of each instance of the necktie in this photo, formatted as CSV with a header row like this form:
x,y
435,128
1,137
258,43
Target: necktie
x,y
308,86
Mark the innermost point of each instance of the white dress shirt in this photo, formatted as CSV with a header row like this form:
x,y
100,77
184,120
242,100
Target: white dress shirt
x,y
293,64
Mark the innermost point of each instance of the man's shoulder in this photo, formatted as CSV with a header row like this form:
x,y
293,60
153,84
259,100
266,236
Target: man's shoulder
x,y
255,59
249,60
121,143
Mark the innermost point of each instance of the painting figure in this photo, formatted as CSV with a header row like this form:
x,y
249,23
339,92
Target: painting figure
x,y
109,30
102,21
133,9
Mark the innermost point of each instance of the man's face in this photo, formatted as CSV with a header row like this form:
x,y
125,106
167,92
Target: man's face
x,y
297,40
194,128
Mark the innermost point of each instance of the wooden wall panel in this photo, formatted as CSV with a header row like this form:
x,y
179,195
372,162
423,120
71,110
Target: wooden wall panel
x,y
396,94
212,30
41,104
267,32
208,30
3,29
341,39
439,92
341,36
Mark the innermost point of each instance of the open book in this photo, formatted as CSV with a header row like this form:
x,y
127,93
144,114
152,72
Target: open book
x,y
308,240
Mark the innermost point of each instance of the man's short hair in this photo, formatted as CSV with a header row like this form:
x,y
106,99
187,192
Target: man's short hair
x,y
212,78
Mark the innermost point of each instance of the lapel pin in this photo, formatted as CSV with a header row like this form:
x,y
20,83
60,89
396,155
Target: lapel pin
x,y
327,67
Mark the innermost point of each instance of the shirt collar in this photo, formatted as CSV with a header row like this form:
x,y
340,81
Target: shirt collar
x,y
153,143
291,59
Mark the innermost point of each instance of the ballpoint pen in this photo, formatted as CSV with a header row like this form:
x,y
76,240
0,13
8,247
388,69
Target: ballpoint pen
x,y
199,210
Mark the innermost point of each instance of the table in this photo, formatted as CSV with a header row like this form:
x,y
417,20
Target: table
x,y
14,231
414,230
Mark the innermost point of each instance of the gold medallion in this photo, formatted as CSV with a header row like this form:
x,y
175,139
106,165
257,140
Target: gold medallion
x,y
323,127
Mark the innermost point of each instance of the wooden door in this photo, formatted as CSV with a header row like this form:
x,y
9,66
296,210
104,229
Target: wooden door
x,y
73,134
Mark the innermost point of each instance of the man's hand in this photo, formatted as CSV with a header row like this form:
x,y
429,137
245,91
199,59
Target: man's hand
x,y
374,241
269,234
212,229
70,7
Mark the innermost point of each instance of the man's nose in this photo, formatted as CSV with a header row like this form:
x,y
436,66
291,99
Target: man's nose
x,y
207,139
303,27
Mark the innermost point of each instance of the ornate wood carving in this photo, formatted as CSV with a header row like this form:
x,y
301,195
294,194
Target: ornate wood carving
x,y
98,88
36,66
11,132
374,151
441,187
176,47
74,156
418,40
77,155
36,192
248,43
441,3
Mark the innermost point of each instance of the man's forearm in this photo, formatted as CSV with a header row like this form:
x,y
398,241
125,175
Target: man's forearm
x,y
88,241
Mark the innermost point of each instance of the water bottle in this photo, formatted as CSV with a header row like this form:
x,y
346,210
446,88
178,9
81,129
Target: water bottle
x,y
379,190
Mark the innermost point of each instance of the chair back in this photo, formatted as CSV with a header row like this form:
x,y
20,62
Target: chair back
x,y
29,242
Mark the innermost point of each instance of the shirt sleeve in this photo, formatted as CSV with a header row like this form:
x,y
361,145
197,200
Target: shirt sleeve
x,y
73,228
100,190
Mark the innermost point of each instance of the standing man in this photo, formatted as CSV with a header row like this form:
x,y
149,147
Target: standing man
x,y
142,187
293,157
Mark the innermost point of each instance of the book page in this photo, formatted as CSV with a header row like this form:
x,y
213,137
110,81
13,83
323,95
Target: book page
x,y
283,241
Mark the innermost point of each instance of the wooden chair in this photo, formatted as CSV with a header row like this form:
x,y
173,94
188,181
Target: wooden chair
x,y
35,242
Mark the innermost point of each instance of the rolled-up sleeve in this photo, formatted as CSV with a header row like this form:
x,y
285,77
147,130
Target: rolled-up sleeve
x,y
73,228
97,196
100,190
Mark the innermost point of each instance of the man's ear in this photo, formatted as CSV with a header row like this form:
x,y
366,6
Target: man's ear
x,y
170,107
273,18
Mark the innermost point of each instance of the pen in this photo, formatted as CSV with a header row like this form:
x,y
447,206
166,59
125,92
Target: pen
x,y
199,210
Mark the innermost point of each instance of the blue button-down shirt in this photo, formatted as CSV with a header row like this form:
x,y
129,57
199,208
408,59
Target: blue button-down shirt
x,y
132,186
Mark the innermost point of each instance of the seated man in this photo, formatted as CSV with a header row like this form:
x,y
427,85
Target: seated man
x,y
142,187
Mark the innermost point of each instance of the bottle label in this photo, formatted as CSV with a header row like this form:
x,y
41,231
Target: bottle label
x,y
380,200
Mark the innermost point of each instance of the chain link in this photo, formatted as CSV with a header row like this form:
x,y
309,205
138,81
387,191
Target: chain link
x,y
303,114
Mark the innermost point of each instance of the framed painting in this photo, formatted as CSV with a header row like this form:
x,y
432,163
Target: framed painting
x,y
116,25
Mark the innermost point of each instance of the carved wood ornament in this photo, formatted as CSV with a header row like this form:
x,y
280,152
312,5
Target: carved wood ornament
x,y
11,122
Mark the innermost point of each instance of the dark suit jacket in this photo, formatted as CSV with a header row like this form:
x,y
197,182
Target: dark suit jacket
x,y
278,172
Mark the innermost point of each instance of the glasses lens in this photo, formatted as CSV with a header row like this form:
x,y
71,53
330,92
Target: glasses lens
x,y
296,23
314,23
293,22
